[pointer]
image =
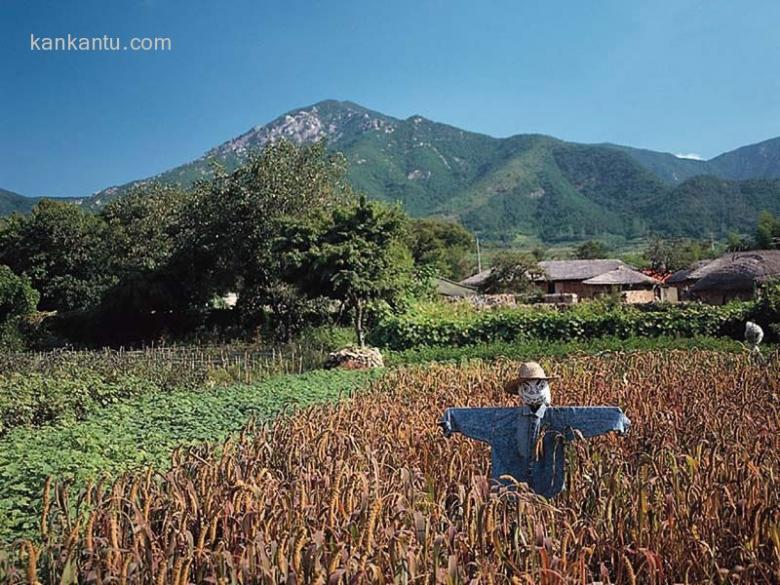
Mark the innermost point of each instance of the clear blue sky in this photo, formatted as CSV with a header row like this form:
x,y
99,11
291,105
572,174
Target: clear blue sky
x,y
684,76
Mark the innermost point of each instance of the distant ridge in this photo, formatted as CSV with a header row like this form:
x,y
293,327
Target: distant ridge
x,y
527,184
11,202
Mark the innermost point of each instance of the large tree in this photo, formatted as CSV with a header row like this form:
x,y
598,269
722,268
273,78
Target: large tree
x,y
512,272
675,254
225,243
767,231
18,299
442,245
143,226
354,254
62,250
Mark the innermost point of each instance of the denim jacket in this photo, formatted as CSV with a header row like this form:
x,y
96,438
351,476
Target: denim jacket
x,y
513,432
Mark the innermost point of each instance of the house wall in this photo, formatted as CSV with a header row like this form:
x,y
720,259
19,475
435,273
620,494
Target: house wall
x,y
576,287
642,294
721,297
683,289
669,294
638,296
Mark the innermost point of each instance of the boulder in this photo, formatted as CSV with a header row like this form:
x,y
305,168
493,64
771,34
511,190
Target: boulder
x,y
355,358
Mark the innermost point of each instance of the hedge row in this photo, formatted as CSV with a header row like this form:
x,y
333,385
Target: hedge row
x,y
522,350
588,321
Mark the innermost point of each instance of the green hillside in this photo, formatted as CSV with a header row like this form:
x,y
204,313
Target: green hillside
x,y
709,206
756,161
524,185
11,202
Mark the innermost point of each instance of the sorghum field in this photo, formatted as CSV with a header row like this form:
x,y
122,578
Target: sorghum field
x,y
369,491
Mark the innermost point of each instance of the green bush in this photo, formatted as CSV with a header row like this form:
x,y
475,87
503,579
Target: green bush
x,y
18,300
767,311
33,399
424,326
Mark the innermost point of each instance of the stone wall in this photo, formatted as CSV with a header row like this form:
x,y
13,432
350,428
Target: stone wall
x,y
638,296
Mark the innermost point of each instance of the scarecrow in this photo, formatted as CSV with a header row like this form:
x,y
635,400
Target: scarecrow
x,y
527,443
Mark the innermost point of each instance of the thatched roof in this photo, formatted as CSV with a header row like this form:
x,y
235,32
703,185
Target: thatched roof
x,y
559,270
448,288
737,271
578,269
685,274
622,275
475,280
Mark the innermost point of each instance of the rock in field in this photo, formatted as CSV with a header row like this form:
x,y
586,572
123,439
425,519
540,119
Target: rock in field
x,y
355,358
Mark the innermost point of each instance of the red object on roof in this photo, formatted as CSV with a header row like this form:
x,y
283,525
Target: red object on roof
x,y
661,276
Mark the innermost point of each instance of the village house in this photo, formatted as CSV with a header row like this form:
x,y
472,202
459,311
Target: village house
x,y
634,286
587,279
560,276
736,275
682,281
569,276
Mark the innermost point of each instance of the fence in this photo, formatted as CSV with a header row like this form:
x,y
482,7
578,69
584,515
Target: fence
x,y
175,364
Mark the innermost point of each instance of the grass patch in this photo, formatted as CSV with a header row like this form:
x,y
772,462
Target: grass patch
x,y
143,432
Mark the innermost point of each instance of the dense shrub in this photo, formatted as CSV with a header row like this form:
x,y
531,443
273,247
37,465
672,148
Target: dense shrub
x,y
767,310
18,301
34,399
437,327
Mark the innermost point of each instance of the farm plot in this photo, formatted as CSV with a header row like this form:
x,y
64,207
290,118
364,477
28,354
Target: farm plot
x,y
369,490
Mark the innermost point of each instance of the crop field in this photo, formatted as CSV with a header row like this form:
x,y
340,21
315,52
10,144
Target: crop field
x,y
369,491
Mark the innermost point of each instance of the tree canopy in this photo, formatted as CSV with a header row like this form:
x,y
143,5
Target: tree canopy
x,y
512,272
442,245
591,250
62,250
283,233
354,254
767,231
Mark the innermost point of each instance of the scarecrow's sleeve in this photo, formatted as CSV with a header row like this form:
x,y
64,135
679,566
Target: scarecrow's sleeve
x,y
587,421
476,423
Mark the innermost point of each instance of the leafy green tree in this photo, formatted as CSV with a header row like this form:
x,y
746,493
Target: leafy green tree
x,y
62,250
17,295
225,241
767,231
591,249
143,230
18,299
442,245
512,272
737,243
670,255
538,252
355,255
143,226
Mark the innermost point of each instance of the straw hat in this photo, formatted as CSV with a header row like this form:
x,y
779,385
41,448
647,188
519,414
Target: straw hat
x,y
527,371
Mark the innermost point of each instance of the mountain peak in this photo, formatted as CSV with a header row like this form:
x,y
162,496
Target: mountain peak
x,y
329,119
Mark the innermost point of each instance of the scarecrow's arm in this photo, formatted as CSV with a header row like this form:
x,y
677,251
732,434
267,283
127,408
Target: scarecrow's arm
x,y
587,421
476,423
